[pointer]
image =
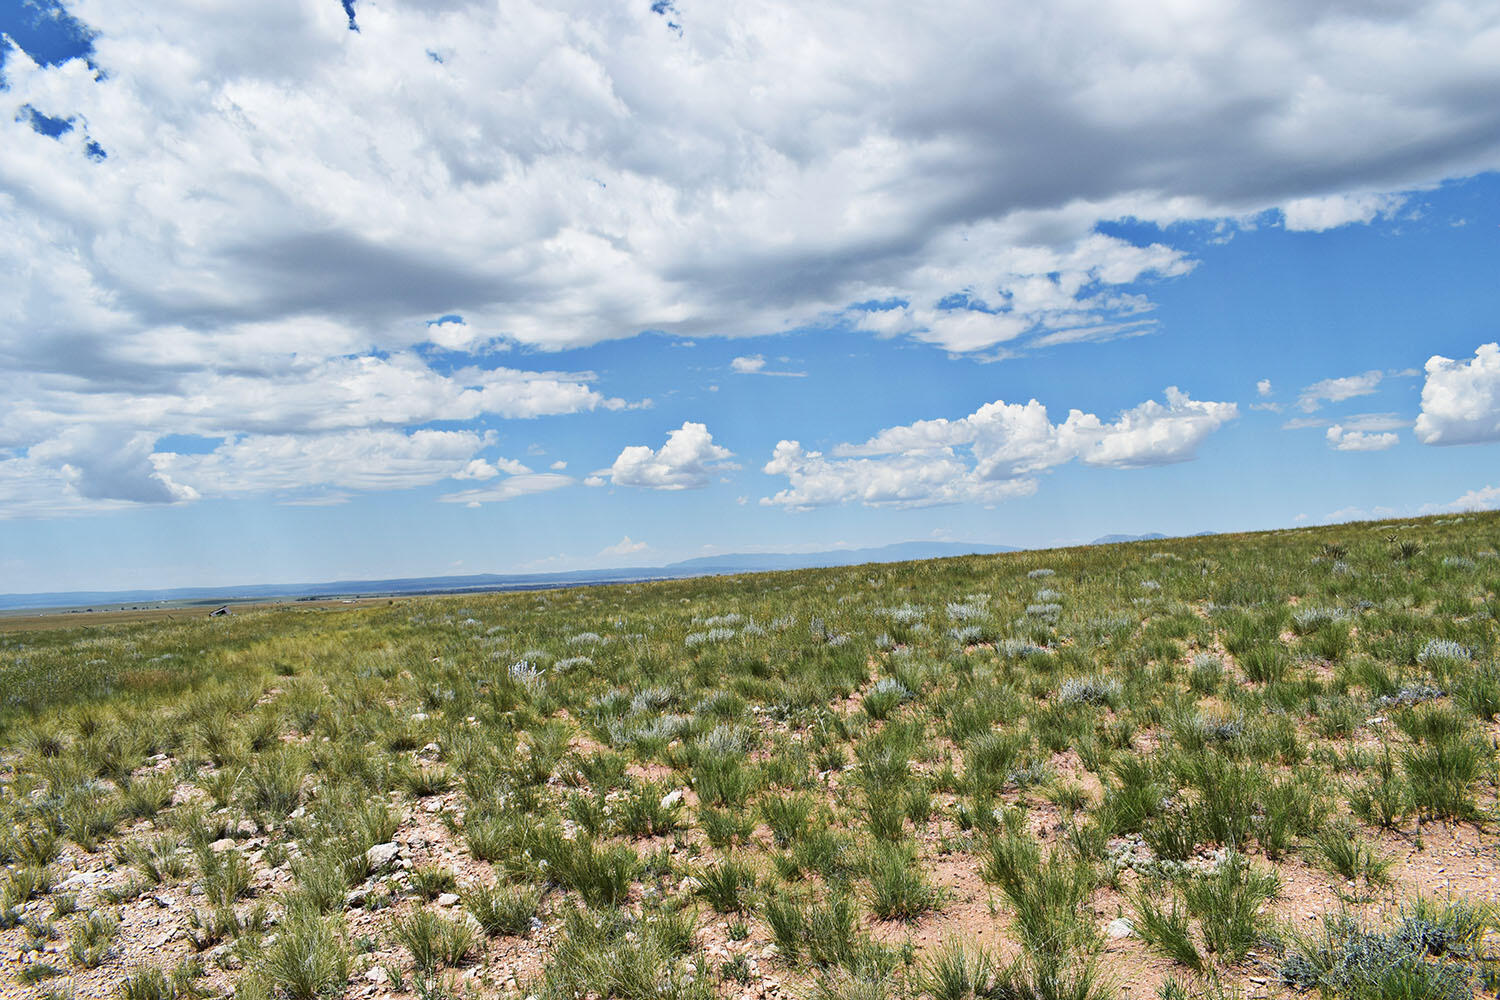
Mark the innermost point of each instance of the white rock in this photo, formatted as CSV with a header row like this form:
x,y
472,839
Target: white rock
x,y
81,880
383,855
671,799
1119,928
447,899
377,975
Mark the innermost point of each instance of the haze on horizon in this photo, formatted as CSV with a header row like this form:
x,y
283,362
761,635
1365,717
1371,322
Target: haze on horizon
x,y
338,290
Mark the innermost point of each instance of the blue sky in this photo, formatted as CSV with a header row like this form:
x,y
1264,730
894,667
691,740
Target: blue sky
x,y
289,302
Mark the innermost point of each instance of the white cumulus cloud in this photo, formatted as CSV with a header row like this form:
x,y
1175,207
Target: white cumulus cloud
x,y
688,460
1333,211
1342,438
624,547
1336,390
1461,399
991,454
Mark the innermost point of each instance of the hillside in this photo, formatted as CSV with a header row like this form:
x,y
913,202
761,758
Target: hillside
x,y
1221,766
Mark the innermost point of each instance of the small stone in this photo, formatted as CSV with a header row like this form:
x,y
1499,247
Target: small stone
x,y
1119,928
382,856
222,845
433,805
447,899
299,812
377,975
356,899
80,880
671,799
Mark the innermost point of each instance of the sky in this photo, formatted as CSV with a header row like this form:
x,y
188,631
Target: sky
x,y
311,290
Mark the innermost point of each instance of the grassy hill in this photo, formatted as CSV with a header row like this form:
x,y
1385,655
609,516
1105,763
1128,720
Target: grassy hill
x,y
1222,766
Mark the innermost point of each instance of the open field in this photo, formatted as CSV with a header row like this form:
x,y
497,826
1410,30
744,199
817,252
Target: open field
x,y
22,620
1242,765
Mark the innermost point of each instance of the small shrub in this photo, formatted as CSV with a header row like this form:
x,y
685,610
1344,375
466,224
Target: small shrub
x,y
502,909
432,880
1440,775
1227,905
1343,852
725,885
1046,896
435,941
958,971
786,815
1444,652
1089,691
273,783
309,958
899,889
91,939
1167,929
1347,960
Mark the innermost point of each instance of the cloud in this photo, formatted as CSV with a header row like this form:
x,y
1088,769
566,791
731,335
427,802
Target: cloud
x,y
1051,295
1484,498
1461,399
362,460
688,461
510,489
908,480
1367,422
624,547
604,179
86,470
755,364
92,441
103,463
1336,390
1332,211
1341,438
1263,388
990,455
481,469
284,206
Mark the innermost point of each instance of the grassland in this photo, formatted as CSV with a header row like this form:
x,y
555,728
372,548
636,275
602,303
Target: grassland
x,y
1235,766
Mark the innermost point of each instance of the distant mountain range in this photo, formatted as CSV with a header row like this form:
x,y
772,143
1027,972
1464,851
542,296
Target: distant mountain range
x,y
739,562
764,562
1112,539
752,562
1151,537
